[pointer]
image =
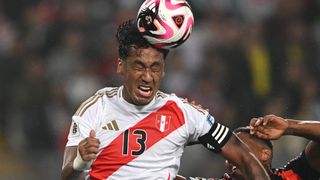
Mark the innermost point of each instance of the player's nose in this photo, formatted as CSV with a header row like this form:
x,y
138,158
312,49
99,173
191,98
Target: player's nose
x,y
147,75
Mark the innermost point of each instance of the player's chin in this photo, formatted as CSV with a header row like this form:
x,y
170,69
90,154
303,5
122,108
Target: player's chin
x,y
142,98
141,101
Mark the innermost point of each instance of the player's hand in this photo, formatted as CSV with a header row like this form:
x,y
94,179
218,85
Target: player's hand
x,y
268,127
89,147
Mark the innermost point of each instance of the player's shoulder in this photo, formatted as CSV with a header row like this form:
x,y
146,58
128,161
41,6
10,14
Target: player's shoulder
x,y
108,92
96,101
162,96
193,105
185,103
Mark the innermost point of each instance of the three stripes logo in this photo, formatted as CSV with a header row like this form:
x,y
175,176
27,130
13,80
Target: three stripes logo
x,y
111,126
220,133
216,138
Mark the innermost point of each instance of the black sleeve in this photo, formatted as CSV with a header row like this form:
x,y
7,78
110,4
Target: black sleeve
x,y
301,167
216,138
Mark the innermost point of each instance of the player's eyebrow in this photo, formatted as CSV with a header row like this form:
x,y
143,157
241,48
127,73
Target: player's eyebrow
x,y
139,62
157,63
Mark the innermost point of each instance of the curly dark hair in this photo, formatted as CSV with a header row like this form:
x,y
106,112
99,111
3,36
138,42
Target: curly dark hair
x,y
128,37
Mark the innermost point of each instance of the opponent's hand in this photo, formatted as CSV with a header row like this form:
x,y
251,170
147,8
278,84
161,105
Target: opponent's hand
x,y
268,127
89,147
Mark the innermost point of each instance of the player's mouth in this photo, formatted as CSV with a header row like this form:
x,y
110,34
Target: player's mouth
x,y
145,91
234,168
233,172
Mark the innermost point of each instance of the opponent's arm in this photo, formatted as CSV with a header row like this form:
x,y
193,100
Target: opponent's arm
x,y
78,158
273,127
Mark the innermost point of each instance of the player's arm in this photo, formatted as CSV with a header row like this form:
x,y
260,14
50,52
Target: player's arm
x,y
221,139
68,172
79,158
273,127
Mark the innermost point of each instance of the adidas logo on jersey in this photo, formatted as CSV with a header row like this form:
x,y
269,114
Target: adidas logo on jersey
x,y
210,147
112,126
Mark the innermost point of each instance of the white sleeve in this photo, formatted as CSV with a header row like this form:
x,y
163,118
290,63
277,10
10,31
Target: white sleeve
x,y
204,129
79,130
84,120
198,121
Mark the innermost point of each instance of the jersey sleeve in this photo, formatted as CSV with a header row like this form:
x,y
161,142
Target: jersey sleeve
x,y
198,121
216,138
79,130
205,130
83,121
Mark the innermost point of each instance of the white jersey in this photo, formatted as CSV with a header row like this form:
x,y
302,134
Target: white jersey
x,y
138,142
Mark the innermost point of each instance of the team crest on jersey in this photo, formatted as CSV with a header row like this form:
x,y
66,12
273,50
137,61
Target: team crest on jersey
x,y
163,122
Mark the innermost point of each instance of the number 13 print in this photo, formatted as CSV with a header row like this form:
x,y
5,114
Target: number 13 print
x,y
139,136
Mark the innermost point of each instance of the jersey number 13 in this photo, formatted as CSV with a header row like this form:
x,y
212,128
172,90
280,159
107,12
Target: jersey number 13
x,y
139,136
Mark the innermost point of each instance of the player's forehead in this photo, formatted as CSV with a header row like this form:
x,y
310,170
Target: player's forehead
x,y
147,55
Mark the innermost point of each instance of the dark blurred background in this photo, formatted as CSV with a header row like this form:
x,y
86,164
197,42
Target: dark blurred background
x,y
245,58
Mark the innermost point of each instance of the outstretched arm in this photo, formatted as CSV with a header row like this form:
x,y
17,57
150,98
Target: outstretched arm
x,y
273,127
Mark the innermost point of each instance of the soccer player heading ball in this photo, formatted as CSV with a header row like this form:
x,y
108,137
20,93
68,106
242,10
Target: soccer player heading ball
x,y
135,131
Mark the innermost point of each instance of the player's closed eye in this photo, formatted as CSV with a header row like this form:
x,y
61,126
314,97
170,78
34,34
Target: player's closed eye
x,y
156,68
138,66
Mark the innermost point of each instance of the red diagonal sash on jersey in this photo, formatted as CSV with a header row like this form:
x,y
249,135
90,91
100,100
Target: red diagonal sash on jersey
x,y
112,157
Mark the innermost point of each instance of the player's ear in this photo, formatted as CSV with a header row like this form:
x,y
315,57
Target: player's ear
x,y
120,66
265,155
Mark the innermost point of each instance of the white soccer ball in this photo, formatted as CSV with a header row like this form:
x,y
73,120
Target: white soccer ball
x,y
165,23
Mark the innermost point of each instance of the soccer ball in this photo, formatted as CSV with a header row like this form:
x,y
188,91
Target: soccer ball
x,y
165,23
